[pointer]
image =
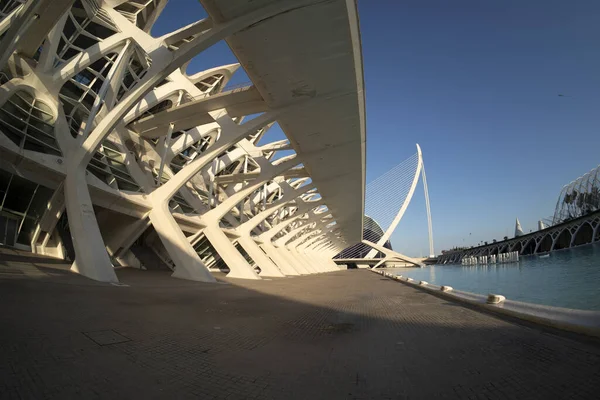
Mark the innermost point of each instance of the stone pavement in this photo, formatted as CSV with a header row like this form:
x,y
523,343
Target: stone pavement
x,y
343,335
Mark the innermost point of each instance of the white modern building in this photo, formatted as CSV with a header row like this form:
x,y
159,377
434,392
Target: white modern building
x,y
111,154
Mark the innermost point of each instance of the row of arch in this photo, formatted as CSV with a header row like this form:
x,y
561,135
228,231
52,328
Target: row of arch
x,y
575,234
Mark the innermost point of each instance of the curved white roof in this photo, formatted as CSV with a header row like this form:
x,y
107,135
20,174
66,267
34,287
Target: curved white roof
x,y
309,52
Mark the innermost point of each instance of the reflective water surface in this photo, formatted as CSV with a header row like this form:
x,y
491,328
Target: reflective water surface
x,y
567,278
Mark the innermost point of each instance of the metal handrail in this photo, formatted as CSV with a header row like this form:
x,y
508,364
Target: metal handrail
x,y
238,87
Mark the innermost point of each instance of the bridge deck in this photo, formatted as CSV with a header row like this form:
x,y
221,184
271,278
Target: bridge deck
x,y
357,260
532,243
343,335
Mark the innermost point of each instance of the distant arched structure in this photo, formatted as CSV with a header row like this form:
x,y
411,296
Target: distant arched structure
x,y
583,235
562,241
578,198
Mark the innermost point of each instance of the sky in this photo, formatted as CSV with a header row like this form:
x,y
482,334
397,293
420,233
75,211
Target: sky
x,y
477,85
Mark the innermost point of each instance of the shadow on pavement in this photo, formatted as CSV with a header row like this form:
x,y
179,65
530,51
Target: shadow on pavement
x,y
331,336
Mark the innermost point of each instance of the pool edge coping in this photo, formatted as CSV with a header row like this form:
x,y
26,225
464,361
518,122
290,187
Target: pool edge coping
x,y
572,320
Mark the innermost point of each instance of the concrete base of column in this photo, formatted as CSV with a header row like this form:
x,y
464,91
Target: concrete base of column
x,y
128,259
314,264
282,263
328,264
283,253
317,262
187,263
298,260
121,241
91,257
310,262
237,264
267,267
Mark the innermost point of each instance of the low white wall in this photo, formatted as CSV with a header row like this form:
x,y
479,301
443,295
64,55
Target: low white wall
x,y
580,321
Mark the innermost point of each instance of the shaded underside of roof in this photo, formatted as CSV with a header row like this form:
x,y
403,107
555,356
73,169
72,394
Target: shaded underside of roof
x,y
312,51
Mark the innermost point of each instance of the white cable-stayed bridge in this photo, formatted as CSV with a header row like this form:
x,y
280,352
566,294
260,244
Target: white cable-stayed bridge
x,y
386,199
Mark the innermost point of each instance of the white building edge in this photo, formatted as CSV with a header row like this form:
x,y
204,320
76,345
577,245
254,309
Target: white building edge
x,y
106,143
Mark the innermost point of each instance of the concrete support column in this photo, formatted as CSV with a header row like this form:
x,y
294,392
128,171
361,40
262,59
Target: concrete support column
x,y
323,256
298,266
297,245
195,269
304,224
298,260
238,266
91,258
118,244
282,263
267,267
287,267
318,261
308,262
331,265
266,264
187,263
324,262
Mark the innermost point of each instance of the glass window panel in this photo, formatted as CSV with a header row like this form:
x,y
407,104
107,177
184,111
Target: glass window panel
x,y
101,63
61,46
97,85
84,42
35,146
23,117
39,204
70,53
84,77
69,29
42,116
38,137
4,180
12,108
14,137
11,231
67,105
27,231
102,175
99,31
127,186
12,121
88,100
23,100
42,127
19,194
71,91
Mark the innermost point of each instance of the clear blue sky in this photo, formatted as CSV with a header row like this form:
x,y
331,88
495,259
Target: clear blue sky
x,y
476,84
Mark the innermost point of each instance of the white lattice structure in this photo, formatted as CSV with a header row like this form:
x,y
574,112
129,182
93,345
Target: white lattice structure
x,y
108,145
580,197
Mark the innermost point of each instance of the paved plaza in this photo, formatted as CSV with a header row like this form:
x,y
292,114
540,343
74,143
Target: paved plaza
x,y
343,335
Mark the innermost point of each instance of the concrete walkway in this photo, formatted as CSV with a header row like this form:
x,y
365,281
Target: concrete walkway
x,y
343,335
